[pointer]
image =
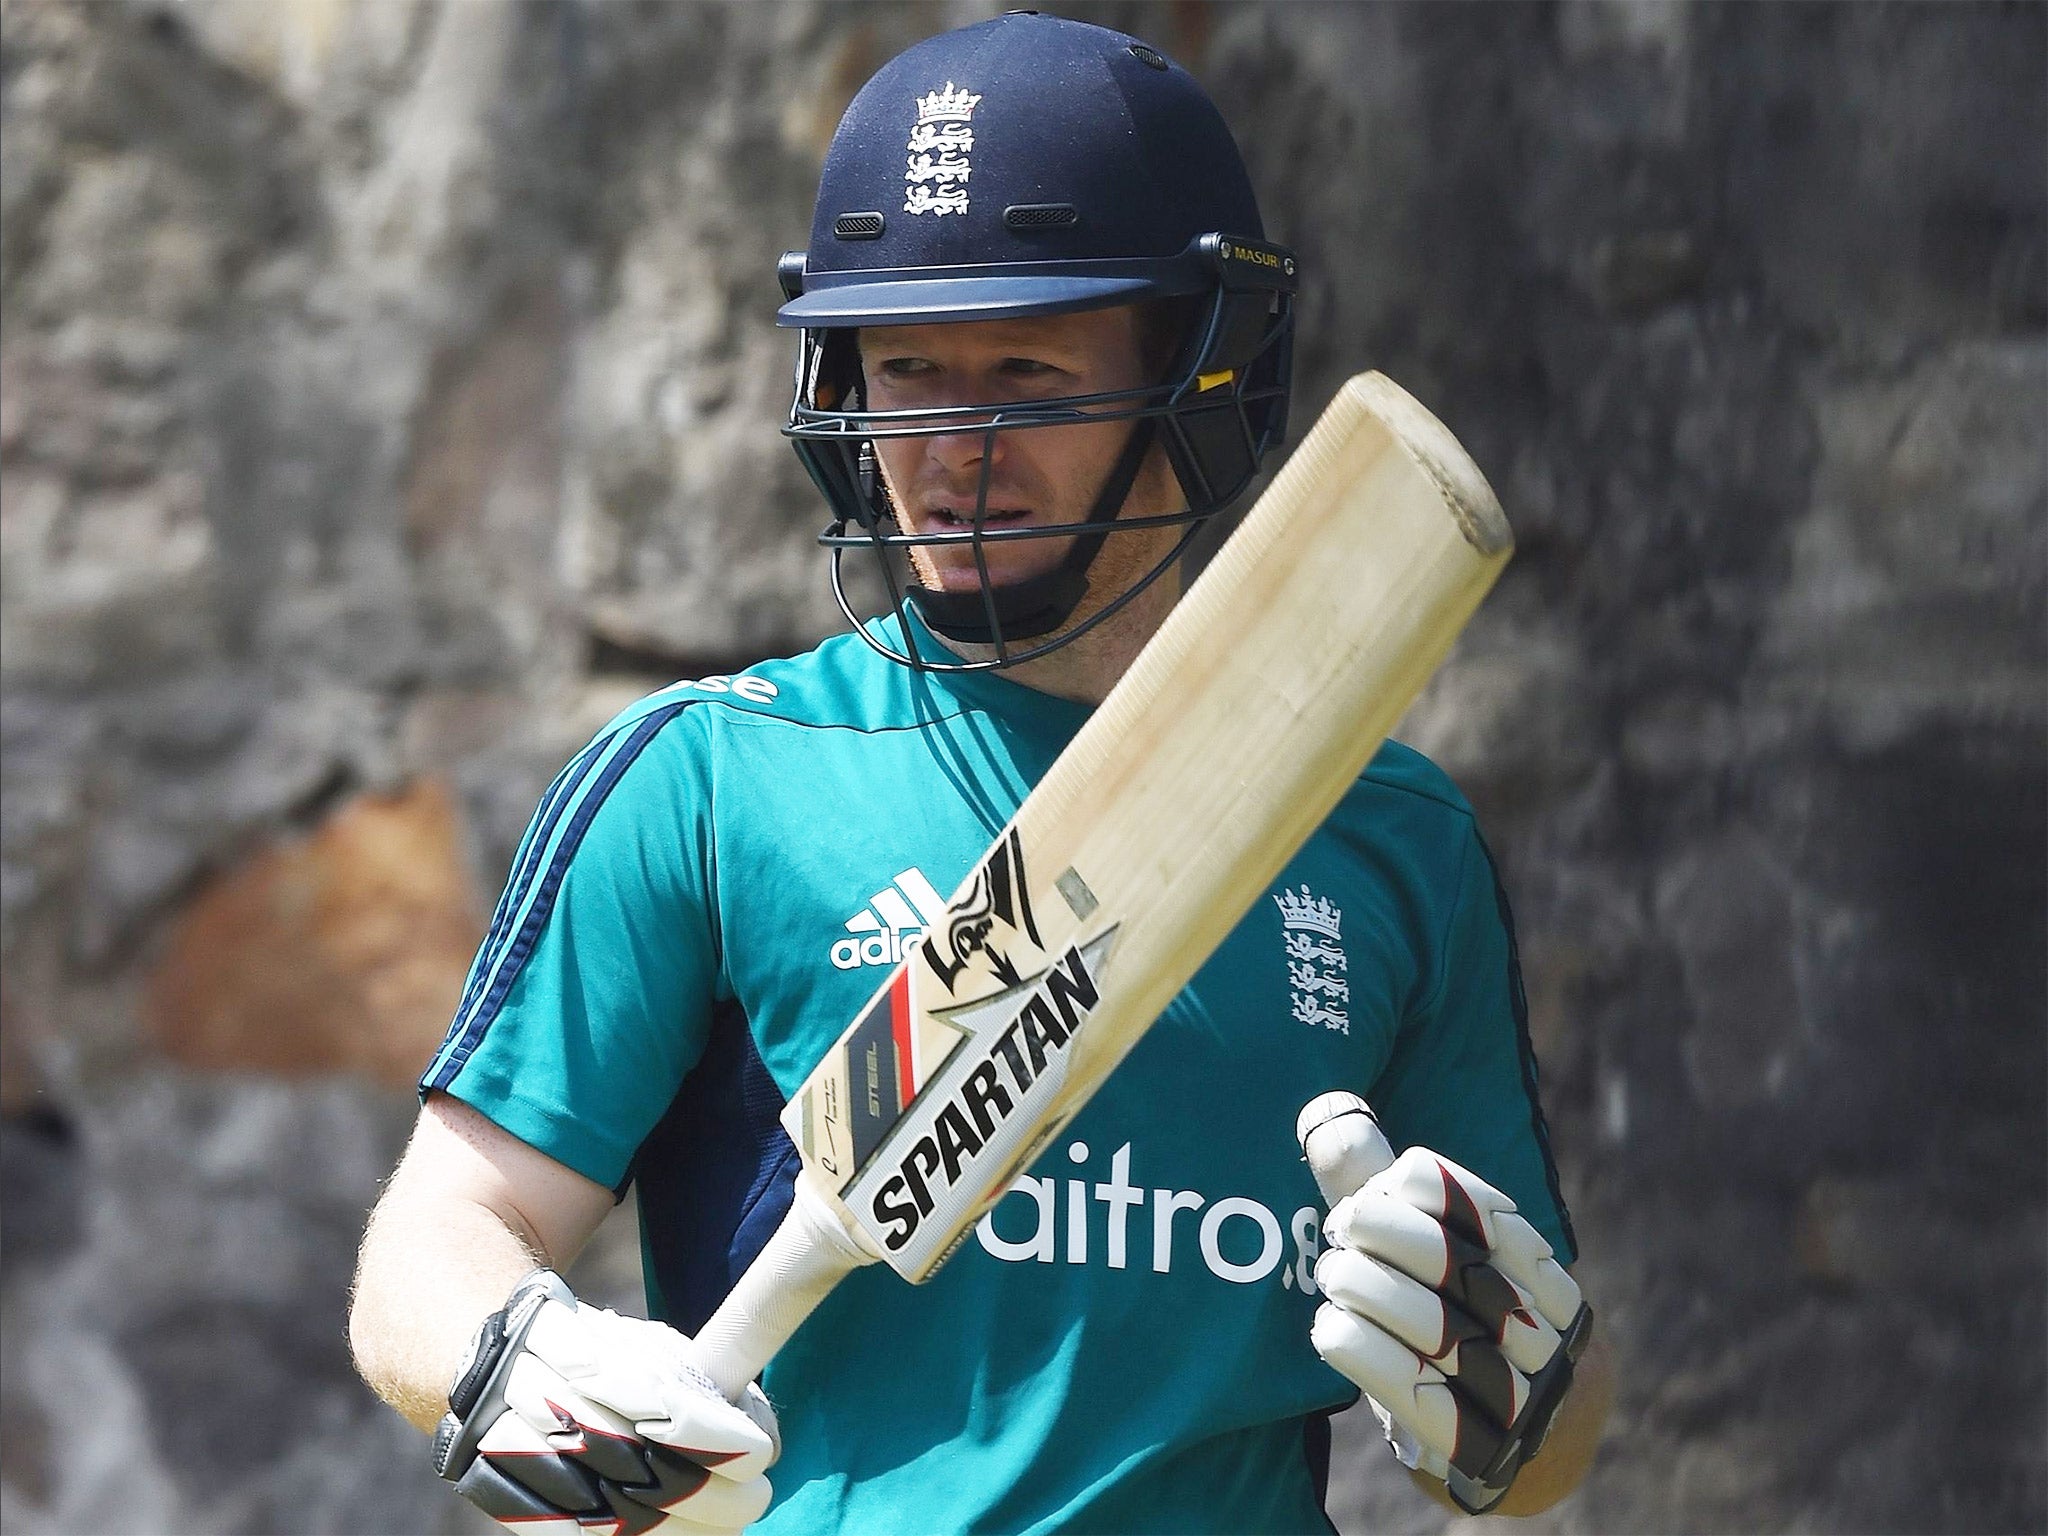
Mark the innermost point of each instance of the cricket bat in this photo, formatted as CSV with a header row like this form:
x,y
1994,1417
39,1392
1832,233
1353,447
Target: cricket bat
x,y
1233,735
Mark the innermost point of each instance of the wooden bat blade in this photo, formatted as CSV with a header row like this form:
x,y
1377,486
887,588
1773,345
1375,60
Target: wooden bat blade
x,y
1231,738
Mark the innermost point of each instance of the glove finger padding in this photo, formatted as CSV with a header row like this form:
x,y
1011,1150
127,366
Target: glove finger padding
x,y
1410,1388
647,1373
556,1494
1447,1337
1481,1216
570,1417
1441,1264
677,1477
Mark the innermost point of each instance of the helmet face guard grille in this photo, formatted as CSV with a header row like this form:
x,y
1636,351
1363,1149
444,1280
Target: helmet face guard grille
x,y
1221,407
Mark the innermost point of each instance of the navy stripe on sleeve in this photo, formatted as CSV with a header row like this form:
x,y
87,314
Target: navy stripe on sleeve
x,y
485,998
524,866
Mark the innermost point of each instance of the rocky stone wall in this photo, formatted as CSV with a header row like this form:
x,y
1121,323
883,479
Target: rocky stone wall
x,y
387,393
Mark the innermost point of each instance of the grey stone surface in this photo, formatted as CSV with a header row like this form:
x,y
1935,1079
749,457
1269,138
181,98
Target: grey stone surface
x,y
387,388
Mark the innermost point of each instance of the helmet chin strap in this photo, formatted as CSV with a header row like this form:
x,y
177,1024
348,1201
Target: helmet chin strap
x,y
1036,606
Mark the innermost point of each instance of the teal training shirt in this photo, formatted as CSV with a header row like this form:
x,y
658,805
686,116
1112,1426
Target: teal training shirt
x,y
715,886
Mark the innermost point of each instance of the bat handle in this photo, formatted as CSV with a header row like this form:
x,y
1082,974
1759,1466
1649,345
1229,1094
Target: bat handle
x,y
812,1251
1341,1138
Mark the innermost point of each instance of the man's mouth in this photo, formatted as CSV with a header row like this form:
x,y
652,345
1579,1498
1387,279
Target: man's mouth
x,y
952,518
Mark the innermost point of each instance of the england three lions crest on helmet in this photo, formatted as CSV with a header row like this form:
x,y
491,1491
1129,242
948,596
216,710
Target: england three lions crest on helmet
x,y
939,147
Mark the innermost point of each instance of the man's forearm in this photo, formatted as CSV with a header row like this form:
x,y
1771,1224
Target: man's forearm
x,y
430,1271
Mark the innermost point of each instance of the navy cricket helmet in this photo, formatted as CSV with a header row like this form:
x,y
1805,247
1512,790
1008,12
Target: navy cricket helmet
x,y
1032,165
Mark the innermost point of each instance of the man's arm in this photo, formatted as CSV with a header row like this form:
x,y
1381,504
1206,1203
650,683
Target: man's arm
x,y
470,1212
1567,1454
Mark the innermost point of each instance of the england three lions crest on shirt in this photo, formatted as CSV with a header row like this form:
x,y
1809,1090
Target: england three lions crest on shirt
x,y
1318,983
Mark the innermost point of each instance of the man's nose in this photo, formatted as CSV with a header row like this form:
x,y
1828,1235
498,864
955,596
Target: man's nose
x,y
962,451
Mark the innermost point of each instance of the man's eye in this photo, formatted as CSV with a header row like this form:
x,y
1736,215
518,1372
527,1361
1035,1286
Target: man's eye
x,y
905,367
1027,367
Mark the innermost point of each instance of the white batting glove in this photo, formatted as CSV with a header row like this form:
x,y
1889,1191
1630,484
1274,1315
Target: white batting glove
x,y
1444,1306
568,1419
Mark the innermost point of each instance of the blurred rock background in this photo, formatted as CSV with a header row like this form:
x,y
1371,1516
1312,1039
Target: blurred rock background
x,y
388,393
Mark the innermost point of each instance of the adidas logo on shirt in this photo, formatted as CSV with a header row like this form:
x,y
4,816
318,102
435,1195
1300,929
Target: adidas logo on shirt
x,y
895,918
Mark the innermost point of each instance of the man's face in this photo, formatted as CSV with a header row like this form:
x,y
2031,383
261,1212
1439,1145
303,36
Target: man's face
x,y
1036,476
